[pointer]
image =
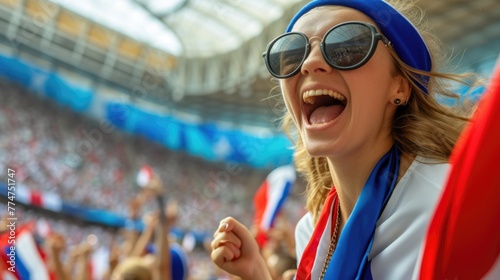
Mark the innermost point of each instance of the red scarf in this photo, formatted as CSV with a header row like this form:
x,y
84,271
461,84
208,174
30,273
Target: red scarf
x,y
314,254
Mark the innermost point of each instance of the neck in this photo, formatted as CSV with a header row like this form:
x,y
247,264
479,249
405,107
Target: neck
x,y
349,175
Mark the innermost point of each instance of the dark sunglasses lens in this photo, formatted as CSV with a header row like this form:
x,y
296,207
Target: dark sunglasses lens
x,y
348,45
286,54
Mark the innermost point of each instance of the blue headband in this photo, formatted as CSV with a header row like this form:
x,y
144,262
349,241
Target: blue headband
x,y
404,36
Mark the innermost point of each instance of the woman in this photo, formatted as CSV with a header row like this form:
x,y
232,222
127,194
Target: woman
x,y
359,82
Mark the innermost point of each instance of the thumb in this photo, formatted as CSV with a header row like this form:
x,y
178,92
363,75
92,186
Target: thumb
x,y
241,231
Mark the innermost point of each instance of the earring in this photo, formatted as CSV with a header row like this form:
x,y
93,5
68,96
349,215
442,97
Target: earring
x,y
397,101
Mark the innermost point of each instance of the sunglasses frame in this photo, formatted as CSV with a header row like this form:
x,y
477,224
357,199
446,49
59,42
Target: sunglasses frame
x,y
376,36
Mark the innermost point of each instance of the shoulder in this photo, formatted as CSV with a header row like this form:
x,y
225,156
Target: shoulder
x,y
419,188
303,232
402,226
417,192
428,173
305,223
304,228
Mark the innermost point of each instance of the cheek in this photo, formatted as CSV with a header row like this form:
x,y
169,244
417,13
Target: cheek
x,y
292,106
371,83
289,96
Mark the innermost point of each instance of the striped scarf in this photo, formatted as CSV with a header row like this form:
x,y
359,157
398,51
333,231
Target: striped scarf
x,y
350,260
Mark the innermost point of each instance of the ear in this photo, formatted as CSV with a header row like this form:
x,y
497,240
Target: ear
x,y
401,90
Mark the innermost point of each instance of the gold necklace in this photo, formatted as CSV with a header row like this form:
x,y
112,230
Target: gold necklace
x,y
332,246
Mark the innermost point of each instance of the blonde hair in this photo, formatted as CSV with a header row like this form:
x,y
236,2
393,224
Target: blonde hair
x,y
134,268
423,127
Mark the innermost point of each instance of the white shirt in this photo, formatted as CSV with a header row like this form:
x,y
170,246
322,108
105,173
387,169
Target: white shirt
x,y
403,224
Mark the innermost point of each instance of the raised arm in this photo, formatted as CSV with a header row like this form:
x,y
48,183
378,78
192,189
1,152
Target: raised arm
x,y
164,258
56,244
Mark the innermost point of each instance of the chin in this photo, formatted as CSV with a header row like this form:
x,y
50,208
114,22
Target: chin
x,y
319,149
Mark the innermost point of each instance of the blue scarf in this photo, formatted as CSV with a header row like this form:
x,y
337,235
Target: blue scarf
x,y
350,259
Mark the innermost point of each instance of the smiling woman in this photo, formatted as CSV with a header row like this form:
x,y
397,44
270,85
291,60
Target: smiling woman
x,y
359,80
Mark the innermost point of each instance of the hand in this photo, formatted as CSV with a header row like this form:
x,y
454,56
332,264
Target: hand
x,y
235,250
56,243
84,249
276,234
171,211
155,186
151,220
114,254
134,207
289,274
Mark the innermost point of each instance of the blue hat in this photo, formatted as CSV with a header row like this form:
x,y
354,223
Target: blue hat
x,y
179,260
404,36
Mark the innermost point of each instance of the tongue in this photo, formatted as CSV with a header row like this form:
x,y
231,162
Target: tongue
x,y
325,114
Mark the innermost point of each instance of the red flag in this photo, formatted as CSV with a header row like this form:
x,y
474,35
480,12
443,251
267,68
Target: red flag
x,y
22,256
463,241
144,176
270,197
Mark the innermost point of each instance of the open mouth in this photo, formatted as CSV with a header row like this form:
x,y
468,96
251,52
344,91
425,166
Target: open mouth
x,y
323,105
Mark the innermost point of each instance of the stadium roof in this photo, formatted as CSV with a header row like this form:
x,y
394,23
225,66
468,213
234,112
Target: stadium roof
x,y
206,28
212,48
218,43
184,27
130,18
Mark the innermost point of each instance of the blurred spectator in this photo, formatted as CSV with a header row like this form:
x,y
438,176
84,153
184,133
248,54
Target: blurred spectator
x,y
44,143
280,262
141,262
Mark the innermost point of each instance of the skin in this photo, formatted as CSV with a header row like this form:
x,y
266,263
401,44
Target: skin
x,y
355,141
352,143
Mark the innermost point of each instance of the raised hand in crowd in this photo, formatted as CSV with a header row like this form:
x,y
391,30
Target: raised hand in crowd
x,y
56,245
113,258
140,262
281,237
81,254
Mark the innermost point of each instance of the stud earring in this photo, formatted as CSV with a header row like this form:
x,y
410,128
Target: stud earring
x,y
397,101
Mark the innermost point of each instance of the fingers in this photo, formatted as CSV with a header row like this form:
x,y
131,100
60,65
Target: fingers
x,y
222,255
225,245
225,237
171,212
235,250
151,219
289,274
231,224
156,185
226,252
229,229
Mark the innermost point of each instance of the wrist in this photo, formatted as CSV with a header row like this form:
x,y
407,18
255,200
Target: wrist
x,y
260,271
161,205
133,225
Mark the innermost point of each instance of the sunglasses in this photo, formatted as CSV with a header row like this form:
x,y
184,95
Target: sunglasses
x,y
346,46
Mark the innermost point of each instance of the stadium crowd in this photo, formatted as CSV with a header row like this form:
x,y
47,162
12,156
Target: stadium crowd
x,y
48,145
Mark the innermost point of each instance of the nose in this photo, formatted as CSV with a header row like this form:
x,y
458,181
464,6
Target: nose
x,y
315,62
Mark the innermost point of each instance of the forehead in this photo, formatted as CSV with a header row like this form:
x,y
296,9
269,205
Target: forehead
x,y
320,19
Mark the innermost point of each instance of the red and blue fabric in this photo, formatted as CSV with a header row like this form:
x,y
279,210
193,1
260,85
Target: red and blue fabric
x,y
463,240
270,197
350,259
29,261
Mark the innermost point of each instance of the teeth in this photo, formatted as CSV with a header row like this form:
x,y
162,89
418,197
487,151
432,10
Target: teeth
x,y
309,95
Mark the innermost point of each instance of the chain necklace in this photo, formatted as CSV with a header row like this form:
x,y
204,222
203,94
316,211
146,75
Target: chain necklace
x,y
332,246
